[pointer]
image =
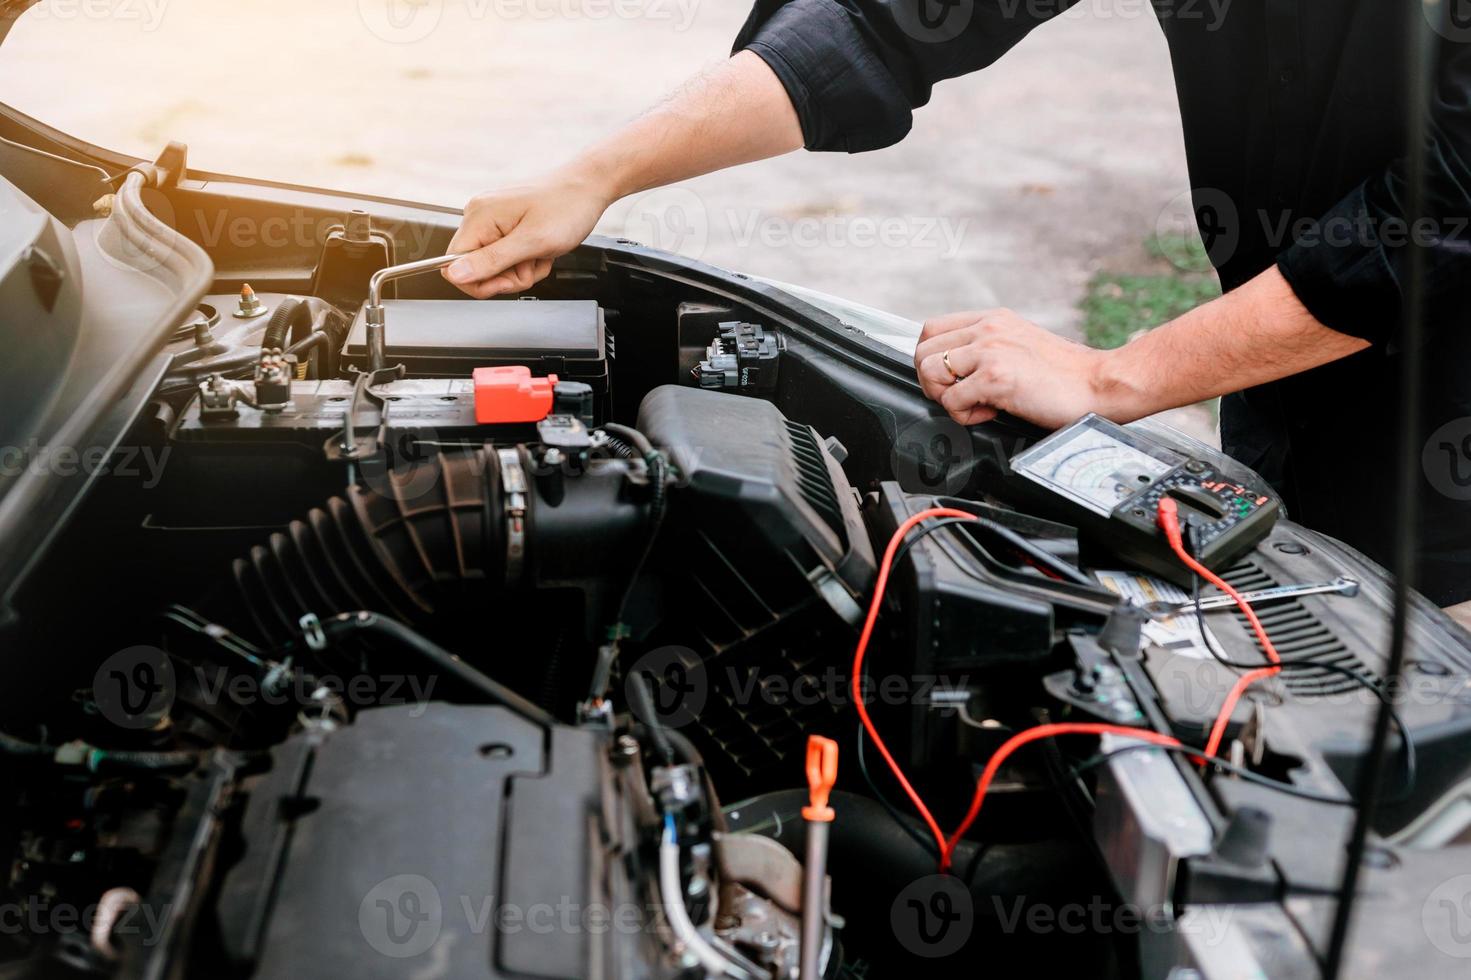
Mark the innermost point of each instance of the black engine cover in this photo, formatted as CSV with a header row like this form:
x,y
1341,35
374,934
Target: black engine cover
x,y
433,839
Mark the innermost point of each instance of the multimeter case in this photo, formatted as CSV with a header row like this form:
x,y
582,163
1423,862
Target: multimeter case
x,y
1229,510
439,338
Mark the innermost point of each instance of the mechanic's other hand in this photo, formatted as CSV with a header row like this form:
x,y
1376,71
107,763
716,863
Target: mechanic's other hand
x,y
513,235
1006,364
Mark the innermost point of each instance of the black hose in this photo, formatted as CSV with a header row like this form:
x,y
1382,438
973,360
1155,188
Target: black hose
x,y
658,478
684,748
355,552
103,760
903,822
297,321
620,448
293,315
312,341
643,706
353,623
632,436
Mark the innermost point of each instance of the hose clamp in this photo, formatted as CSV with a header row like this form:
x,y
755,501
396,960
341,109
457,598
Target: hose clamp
x,y
514,487
312,632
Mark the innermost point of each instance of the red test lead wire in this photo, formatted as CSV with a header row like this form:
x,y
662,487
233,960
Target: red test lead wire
x,y
947,847
857,681
1031,735
1169,522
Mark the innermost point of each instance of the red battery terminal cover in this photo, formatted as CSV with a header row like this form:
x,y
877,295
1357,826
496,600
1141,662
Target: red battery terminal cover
x,y
508,393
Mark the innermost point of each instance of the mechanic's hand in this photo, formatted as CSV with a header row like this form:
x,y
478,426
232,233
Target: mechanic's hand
x,y
1007,364
513,235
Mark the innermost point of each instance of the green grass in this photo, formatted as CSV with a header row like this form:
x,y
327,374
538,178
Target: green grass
x,y
1119,305
1184,252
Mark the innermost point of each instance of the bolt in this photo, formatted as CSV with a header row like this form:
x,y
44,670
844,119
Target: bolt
x,y
1381,858
1429,668
250,305
358,226
1085,681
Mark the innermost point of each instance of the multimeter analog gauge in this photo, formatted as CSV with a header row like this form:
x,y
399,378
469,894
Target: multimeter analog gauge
x,y
1096,466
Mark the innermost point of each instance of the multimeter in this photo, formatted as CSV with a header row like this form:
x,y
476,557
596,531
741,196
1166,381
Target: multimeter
x,y
1107,481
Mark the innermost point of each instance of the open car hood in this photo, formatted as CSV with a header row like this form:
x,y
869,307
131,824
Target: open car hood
x,y
10,11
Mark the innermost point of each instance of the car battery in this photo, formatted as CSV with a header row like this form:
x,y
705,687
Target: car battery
x,y
225,457
435,338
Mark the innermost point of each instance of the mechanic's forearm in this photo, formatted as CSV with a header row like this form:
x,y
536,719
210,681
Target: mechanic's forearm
x,y
737,112
1254,334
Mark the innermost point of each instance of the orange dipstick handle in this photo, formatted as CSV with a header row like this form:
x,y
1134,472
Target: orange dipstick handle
x,y
822,773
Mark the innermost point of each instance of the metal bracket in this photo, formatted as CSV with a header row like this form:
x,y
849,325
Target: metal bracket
x,y
514,486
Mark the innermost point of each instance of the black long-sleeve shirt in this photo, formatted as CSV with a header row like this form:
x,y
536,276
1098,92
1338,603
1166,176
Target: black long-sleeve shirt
x,y
1295,131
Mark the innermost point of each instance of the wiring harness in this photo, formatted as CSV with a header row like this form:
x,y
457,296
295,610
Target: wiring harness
x,y
1169,523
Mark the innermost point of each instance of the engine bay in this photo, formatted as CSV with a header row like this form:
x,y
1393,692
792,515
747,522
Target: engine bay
x,y
482,639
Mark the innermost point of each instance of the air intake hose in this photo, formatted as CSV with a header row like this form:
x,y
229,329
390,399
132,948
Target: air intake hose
x,y
431,541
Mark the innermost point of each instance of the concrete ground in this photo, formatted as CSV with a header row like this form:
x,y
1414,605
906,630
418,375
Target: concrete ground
x,y
1017,184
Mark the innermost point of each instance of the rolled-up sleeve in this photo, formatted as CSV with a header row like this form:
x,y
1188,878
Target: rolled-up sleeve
x,y
1352,271
857,69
